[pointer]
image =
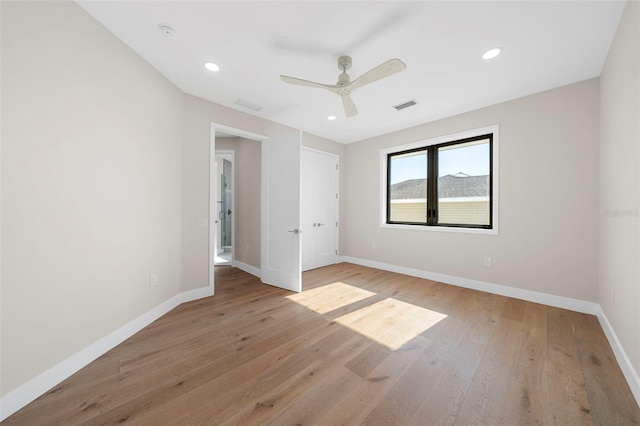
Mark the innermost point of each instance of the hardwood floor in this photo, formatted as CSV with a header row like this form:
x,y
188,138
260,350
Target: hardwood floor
x,y
358,346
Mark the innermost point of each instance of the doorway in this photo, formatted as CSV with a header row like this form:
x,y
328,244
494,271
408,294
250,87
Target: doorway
x,y
221,237
225,223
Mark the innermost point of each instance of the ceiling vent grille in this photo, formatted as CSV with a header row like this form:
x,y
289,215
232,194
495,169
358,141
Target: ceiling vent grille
x,y
248,104
406,104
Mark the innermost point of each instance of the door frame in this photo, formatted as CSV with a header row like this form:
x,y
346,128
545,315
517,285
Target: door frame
x,y
213,191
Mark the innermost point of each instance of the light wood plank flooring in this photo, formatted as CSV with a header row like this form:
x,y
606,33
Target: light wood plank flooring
x,y
358,346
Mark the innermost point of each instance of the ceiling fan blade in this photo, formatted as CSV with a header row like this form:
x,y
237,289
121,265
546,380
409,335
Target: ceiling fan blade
x,y
301,82
386,69
349,107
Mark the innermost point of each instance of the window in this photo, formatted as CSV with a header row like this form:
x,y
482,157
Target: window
x,y
445,183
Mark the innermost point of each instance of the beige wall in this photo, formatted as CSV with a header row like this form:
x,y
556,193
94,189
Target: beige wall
x,y
619,286
198,116
91,171
105,175
548,198
247,165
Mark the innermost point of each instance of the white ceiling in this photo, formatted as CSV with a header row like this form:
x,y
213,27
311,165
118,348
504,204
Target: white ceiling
x,y
546,44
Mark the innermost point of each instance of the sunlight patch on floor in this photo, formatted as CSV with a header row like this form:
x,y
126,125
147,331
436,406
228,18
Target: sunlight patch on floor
x,y
391,322
329,297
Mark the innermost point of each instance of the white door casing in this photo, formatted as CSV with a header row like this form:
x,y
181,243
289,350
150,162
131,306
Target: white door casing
x,y
280,255
213,210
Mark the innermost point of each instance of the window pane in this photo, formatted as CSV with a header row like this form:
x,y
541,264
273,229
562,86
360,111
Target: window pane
x,y
463,183
408,187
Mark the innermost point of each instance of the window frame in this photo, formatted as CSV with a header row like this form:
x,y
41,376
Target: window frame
x,y
430,146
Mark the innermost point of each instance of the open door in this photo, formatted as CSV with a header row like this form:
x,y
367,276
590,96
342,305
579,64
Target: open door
x,y
281,231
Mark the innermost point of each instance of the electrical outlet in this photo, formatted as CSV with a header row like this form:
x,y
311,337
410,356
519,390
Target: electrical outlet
x,y
203,223
247,249
487,262
153,280
373,246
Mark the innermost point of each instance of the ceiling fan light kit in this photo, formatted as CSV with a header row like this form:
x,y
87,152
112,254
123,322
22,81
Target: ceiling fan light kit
x,y
345,86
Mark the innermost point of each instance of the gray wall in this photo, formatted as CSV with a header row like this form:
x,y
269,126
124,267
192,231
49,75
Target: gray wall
x,y
619,287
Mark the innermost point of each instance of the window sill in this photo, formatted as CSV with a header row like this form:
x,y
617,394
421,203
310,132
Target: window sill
x,y
453,229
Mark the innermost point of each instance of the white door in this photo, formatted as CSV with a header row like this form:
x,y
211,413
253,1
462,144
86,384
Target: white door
x,y
280,236
319,209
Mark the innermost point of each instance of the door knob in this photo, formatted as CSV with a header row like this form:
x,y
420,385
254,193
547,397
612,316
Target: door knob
x,y
296,231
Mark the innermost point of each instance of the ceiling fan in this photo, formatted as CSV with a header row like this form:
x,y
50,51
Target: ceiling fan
x,y
344,86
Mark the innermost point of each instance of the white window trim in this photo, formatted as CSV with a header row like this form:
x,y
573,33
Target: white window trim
x,y
495,129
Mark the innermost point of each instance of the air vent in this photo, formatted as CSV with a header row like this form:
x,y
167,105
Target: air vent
x,y
248,104
407,104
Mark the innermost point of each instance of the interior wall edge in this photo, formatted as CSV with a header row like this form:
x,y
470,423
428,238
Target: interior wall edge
x,y
247,268
34,388
630,374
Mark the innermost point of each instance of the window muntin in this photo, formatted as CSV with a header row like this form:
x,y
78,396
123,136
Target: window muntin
x,y
451,185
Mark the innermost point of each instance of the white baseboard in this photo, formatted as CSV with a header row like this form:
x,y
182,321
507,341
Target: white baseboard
x,y
247,268
516,293
23,395
630,374
198,293
28,392
621,356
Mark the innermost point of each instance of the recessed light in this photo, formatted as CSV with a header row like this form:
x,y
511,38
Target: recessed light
x,y
212,67
331,117
491,53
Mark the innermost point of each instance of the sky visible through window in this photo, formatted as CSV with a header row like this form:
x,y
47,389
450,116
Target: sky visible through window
x,y
471,160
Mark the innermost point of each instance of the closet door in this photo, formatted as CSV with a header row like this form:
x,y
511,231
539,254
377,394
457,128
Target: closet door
x,y
319,209
326,209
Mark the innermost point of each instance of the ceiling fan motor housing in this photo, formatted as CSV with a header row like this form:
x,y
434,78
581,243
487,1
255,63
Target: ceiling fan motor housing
x,y
344,62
